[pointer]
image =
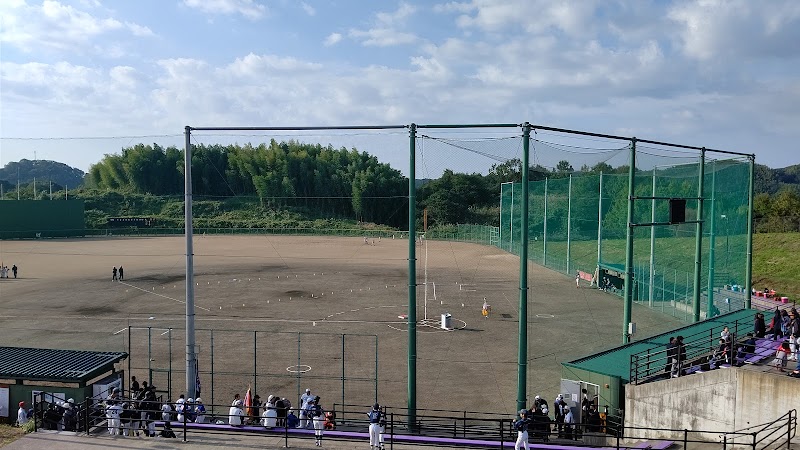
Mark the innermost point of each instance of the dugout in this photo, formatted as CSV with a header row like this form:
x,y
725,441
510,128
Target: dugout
x,y
24,219
64,374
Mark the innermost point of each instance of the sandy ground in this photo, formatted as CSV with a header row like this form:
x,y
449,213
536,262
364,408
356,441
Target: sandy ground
x,y
278,290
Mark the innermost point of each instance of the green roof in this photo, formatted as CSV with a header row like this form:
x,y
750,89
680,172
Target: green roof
x,y
616,362
43,364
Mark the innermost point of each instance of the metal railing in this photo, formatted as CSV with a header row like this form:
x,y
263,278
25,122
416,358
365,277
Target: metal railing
x,y
772,435
653,362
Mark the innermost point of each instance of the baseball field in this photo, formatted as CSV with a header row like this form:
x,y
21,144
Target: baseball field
x,y
279,305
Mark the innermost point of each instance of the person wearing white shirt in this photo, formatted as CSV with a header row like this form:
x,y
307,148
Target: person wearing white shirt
x,y
22,415
235,414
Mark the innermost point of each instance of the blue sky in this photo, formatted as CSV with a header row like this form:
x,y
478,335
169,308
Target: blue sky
x,y
713,73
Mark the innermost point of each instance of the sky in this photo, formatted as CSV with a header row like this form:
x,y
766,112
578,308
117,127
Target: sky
x,y
84,78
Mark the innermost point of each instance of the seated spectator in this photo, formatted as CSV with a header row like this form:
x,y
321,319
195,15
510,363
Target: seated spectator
x,y
291,420
720,355
747,349
236,414
167,431
199,411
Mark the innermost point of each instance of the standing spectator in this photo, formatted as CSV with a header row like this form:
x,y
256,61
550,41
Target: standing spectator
x,y
180,405
235,414
14,270
69,418
280,408
135,389
776,324
559,406
786,323
22,415
375,417
318,417
577,279
569,424
759,326
113,411
782,356
114,274
670,354
121,275
679,355
304,399
521,425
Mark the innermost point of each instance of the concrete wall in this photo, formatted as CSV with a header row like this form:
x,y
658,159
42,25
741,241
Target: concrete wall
x,y
722,400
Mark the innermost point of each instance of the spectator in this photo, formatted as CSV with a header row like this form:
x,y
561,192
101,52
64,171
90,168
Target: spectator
x,y
69,417
759,326
199,411
569,424
280,408
720,355
235,414
747,349
679,356
269,418
559,405
22,414
166,411
291,420
540,424
135,389
593,420
775,324
782,356
14,270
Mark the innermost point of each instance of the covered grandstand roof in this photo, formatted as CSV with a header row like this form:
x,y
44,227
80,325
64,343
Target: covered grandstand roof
x,y
616,362
55,365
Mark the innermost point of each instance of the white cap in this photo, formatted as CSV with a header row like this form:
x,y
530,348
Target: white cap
x,y
198,400
536,398
308,391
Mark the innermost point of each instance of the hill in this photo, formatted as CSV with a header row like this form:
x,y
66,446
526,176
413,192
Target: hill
x,y
44,171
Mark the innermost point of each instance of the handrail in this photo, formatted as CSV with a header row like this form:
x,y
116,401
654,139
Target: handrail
x,y
651,362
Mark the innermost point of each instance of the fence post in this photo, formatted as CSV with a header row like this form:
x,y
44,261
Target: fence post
x,y
35,429
286,434
685,437
724,442
502,435
754,441
789,432
619,432
464,428
391,432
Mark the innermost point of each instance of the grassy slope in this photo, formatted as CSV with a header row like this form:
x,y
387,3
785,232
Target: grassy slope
x,y
9,434
776,264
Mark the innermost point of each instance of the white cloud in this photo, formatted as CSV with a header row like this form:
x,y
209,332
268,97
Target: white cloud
x,y
58,26
247,8
332,39
308,9
714,29
388,29
382,37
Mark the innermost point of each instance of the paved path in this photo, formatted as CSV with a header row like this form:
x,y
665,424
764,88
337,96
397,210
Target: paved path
x,y
69,441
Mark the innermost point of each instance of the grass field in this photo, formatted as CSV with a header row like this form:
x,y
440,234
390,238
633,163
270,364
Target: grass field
x,y
65,298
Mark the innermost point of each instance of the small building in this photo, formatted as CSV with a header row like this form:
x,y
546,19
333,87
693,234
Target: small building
x,y
64,374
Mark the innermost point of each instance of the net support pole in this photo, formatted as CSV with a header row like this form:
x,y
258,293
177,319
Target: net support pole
x,y
712,241
626,312
698,240
599,228
412,280
748,274
191,357
544,227
569,225
522,357
651,287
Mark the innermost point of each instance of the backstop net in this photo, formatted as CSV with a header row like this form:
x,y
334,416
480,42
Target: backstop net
x,y
578,223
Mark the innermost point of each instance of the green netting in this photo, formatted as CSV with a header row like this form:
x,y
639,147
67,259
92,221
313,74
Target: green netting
x,y
570,240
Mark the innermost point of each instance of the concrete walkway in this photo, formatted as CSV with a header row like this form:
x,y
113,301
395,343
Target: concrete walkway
x,y
71,441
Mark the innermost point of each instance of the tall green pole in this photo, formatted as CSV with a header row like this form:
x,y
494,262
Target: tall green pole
x,y
522,357
412,279
712,241
651,288
748,275
698,239
569,224
626,312
599,228
544,227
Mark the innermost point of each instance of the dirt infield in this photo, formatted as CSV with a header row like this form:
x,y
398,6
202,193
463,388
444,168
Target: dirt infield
x,y
65,298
